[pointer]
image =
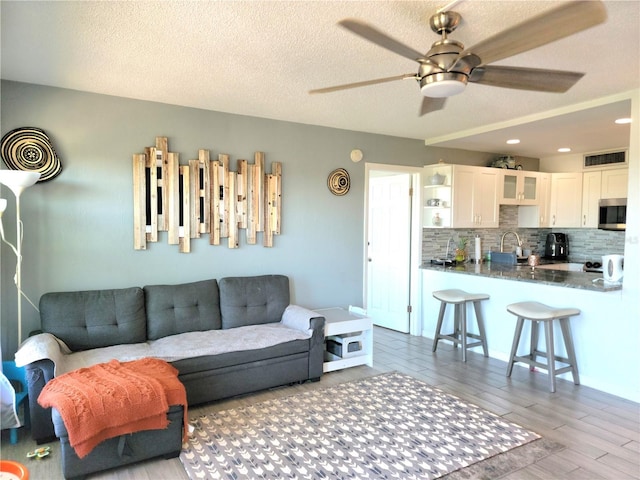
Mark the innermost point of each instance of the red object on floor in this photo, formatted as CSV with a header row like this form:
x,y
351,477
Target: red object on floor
x,y
14,468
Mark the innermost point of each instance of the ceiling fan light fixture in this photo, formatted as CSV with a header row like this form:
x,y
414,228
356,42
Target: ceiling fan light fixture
x,y
440,85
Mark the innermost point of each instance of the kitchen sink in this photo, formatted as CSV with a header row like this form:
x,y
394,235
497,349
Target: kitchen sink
x,y
442,261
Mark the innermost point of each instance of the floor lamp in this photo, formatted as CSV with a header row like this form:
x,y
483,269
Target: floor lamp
x,y
17,181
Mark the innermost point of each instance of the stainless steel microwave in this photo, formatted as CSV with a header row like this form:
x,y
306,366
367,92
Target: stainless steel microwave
x,y
613,214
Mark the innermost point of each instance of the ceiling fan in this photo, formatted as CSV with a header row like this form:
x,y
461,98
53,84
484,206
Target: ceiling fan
x,y
447,67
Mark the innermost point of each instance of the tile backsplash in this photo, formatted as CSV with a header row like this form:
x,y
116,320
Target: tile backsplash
x,y
584,243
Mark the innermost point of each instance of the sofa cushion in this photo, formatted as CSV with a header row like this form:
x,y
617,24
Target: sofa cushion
x,y
188,307
253,300
95,318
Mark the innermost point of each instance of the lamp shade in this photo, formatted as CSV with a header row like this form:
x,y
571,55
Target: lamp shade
x,y
18,180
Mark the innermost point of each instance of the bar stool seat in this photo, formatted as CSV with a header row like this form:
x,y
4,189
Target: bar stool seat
x,y
460,335
537,312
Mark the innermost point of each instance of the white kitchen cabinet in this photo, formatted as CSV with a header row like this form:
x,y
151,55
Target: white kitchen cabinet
x,y
537,216
614,183
601,184
518,187
591,188
475,197
565,208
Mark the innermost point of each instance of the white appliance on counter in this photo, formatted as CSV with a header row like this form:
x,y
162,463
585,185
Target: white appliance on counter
x,y
612,268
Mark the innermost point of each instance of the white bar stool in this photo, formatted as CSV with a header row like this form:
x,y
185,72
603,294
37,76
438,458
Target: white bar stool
x,y
460,298
538,312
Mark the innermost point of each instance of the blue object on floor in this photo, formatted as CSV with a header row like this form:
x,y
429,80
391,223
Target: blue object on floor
x,y
18,378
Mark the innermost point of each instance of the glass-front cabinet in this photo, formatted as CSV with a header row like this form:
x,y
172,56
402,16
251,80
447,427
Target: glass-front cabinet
x,y
437,196
519,187
460,196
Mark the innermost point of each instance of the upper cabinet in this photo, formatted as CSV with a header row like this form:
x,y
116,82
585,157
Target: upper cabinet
x,y
614,183
475,197
538,215
565,207
519,187
599,184
591,188
460,196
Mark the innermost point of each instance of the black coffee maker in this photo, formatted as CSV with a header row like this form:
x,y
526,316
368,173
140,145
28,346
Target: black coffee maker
x,y
557,246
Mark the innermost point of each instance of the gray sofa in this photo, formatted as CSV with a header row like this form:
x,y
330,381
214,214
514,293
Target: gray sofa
x,y
88,320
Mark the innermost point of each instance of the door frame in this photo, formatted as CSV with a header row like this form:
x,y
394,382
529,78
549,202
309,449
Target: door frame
x,y
415,297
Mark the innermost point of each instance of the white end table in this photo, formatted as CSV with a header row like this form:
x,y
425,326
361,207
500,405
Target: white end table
x,y
342,321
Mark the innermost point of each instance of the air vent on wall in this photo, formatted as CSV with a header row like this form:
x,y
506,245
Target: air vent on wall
x,y
605,158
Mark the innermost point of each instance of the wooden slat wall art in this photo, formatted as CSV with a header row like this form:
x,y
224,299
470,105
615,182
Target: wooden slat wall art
x,y
225,201
139,202
162,162
232,217
172,184
152,194
252,223
204,188
203,197
214,172
194,198
184,212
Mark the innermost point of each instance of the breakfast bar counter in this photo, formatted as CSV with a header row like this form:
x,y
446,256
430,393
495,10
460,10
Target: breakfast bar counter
x,y
605,310
525,273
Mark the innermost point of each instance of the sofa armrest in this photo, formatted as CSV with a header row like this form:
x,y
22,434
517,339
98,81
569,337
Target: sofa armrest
x,y
38,374
316,348
298,318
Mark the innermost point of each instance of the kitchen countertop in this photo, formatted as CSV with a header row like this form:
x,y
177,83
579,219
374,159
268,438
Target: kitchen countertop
x,y
524,273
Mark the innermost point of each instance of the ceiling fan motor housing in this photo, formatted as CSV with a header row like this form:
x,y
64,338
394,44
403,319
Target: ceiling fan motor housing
x,y
435,79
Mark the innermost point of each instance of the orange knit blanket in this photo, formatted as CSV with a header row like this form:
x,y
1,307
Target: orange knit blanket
x,y
112,399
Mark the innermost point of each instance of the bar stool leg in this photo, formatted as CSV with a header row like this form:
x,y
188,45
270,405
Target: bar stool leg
x,y
551,357
463,330
535,329
483,335
443,307
456,323
514,346
571,353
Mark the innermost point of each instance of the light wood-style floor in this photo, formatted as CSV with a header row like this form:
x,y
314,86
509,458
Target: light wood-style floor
x,y
601,432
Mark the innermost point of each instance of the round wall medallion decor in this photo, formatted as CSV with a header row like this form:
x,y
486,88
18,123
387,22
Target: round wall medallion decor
x,y
339,182
30,149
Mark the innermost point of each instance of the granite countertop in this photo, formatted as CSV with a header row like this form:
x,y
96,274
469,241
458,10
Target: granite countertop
x,y
524,273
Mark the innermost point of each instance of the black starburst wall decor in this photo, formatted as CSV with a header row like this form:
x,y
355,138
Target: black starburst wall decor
x,y
30,149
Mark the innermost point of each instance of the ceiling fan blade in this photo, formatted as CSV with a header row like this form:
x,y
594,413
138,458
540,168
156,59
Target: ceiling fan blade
x,y
382,39
560,22
538,79
362,84
430,104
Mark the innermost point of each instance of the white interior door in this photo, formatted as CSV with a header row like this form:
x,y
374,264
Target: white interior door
x,y
389,251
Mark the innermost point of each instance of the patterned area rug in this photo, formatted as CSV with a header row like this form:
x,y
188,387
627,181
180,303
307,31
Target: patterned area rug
x,y
387,426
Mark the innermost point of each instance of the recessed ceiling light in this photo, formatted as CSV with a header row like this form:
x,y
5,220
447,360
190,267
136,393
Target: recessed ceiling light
x,y
564,149
513,141
623,121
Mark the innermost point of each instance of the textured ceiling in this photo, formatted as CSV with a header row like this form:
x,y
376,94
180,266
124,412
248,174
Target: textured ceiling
x,y
260,58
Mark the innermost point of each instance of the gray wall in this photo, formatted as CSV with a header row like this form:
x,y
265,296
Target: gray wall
x,y
79,226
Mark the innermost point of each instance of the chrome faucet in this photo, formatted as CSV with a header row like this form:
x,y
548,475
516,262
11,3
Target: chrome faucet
x,y
504,235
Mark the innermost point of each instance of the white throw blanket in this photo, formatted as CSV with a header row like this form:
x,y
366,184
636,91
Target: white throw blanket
x,y
294,326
